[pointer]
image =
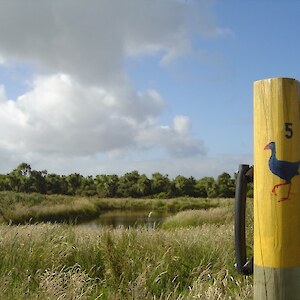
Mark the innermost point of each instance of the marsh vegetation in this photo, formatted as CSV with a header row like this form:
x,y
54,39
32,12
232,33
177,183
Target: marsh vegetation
x,y
191,256
21,208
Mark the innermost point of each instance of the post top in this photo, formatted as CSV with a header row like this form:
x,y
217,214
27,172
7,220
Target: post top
x,y
276,79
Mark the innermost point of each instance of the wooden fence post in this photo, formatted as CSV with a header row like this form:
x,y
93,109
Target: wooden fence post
x,y
277,189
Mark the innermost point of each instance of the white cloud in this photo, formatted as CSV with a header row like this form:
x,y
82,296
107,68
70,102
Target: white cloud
x,y
182,124
89,38
84,104
2,94
59,115
177,138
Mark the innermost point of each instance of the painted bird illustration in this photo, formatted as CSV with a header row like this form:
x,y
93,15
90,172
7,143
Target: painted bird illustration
x,y
286,170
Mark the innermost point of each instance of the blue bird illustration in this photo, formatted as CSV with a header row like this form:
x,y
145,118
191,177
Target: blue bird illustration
x,y
286,170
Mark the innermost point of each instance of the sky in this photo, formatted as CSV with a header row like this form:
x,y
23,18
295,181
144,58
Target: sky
x,y
112,86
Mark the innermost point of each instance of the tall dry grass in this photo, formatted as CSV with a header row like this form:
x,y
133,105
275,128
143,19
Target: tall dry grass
x,y
47,261
192,218
193,260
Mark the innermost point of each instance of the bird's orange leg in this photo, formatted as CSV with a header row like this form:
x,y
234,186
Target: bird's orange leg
x,y
286,198
277,186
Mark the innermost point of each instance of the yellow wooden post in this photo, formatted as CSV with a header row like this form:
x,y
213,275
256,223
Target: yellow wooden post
x,y
277,189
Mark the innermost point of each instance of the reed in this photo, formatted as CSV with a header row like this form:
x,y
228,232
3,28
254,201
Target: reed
x,y
47,261
190,257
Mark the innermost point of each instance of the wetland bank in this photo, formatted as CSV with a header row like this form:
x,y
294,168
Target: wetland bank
x,y
190,256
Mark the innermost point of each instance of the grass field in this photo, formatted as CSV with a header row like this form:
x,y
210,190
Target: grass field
x,y
190,257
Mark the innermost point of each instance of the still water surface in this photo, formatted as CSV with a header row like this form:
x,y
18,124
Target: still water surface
x,y
127,218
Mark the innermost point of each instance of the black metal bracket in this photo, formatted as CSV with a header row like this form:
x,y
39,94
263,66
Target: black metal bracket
x,y
245,175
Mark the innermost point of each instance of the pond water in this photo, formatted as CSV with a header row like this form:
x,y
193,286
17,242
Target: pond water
x,y
127,218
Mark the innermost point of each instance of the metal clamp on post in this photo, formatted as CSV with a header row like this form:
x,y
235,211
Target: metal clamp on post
x,y
245,175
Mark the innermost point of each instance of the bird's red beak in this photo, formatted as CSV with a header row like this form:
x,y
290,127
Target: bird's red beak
x,y
267,147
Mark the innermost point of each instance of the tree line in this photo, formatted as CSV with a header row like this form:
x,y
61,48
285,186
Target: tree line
x,y
131,184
